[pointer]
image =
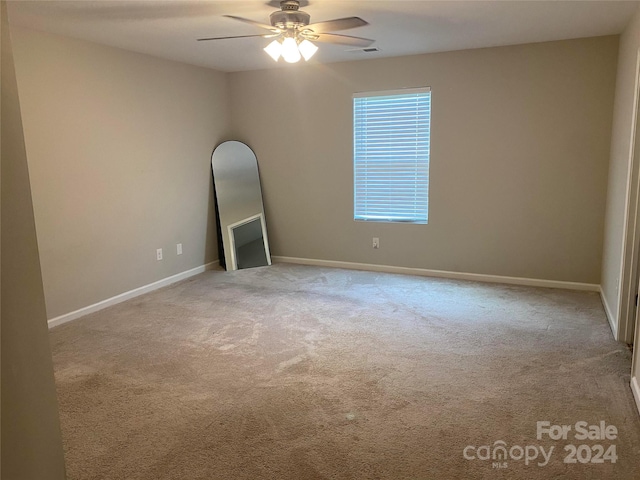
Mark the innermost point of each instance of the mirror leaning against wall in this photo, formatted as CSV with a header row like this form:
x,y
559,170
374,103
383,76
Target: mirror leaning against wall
x,y
238,196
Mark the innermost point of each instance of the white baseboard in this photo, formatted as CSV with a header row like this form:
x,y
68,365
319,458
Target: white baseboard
x,y
478,277
635,388
67,317
613,323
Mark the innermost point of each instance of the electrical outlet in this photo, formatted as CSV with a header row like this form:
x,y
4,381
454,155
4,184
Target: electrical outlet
x,y
376,242
159,254
179,249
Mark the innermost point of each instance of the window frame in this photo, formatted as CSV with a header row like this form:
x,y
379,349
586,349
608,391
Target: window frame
x,y
421,217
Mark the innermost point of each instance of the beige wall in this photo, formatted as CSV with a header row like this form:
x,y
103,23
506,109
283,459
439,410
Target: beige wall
x,y
519,158
31,439
119,147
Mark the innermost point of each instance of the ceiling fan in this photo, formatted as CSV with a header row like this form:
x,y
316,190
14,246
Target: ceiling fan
x,y
293,34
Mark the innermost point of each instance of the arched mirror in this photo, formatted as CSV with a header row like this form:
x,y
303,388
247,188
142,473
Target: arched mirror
x,y
241,223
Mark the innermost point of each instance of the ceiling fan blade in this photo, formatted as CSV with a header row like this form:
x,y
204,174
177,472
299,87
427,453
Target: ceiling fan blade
x,y
341,39
254,23
238,36
336,25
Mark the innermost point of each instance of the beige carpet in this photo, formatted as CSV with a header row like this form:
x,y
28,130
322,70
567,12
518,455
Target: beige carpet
x,y
292,372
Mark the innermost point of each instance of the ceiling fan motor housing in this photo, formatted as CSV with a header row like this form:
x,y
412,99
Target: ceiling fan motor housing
x,y
289,17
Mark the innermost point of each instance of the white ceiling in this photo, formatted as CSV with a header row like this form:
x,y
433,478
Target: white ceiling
x,y
169,29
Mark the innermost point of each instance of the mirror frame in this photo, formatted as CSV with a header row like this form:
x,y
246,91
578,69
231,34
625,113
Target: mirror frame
x,y
232,239
226,247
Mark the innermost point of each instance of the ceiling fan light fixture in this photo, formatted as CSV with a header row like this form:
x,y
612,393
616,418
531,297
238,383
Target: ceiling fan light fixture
x,y
290,51
274,50
307,49
293,33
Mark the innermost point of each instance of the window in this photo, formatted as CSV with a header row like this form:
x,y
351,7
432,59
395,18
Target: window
x,y
391,155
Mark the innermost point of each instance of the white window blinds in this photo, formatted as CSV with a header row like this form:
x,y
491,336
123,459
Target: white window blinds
x,y
391,155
